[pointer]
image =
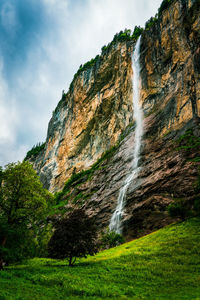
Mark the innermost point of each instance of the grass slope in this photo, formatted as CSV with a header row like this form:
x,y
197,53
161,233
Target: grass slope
x,y
162,265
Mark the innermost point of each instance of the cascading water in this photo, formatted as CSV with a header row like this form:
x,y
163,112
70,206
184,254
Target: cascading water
x,y
115,222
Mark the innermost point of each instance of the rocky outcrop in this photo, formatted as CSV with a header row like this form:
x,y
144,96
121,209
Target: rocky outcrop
x,y
96,114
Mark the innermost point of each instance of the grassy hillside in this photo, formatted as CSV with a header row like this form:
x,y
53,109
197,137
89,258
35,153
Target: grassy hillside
x,y
162,265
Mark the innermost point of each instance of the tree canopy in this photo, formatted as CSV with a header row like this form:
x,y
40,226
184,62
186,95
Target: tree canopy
x,y
23,202
74,236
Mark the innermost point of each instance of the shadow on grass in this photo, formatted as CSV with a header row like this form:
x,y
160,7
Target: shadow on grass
x,y
56,266
76,265
44,267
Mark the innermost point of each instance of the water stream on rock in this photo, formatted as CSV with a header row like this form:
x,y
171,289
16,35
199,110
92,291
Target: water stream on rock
x,y
116,219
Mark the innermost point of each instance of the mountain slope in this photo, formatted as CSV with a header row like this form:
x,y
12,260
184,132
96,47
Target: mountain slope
x,y
161,265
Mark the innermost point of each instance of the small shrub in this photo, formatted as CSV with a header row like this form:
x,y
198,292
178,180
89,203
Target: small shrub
x,y
137,32
151,22
197,207
188,140
197,183
178,209
197,200
111,239
103,48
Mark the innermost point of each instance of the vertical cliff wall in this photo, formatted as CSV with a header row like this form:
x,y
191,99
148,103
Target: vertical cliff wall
x,y
90,118
96,114
170,66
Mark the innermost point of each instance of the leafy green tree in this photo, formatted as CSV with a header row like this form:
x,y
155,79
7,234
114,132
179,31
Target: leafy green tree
x,y
23,202
74,236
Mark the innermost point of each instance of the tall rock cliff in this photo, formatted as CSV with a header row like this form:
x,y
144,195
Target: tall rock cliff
x,y
90,118
92,128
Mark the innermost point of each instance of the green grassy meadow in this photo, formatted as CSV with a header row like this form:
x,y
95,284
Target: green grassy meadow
x,y
161,265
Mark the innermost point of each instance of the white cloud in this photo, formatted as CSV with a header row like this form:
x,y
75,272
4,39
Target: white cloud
x,y
98,21
8,116
8,123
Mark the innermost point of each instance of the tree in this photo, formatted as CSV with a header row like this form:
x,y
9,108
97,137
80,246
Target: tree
x,y
23,202
74,236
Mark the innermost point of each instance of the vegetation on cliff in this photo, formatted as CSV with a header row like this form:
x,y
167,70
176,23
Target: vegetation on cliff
x,y
36,149
189,145
164,5
62,198
162,265
122,36
189,141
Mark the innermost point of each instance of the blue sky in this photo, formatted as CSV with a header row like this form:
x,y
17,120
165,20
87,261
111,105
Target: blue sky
x,y
42,44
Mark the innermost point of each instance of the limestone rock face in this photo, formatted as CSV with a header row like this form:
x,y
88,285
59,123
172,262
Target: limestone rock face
x,y
170,60
89,119
97,112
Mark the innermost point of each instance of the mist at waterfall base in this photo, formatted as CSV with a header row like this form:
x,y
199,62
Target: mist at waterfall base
x,y
116,219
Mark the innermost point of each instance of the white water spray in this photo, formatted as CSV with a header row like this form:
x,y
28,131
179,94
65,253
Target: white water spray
x,y
115,222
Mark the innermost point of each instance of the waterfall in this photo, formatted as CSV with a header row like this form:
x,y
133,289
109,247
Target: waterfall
x,y
115,222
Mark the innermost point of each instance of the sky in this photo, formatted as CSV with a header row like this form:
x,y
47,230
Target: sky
x,y
42,44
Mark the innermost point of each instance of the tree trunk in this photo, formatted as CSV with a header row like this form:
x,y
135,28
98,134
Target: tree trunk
x,y
1,264
71,261
1,258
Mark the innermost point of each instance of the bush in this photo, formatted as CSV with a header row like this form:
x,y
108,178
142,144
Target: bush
x,y
178,209
188,141
111,239
151,22
137,32
197,191
197,207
